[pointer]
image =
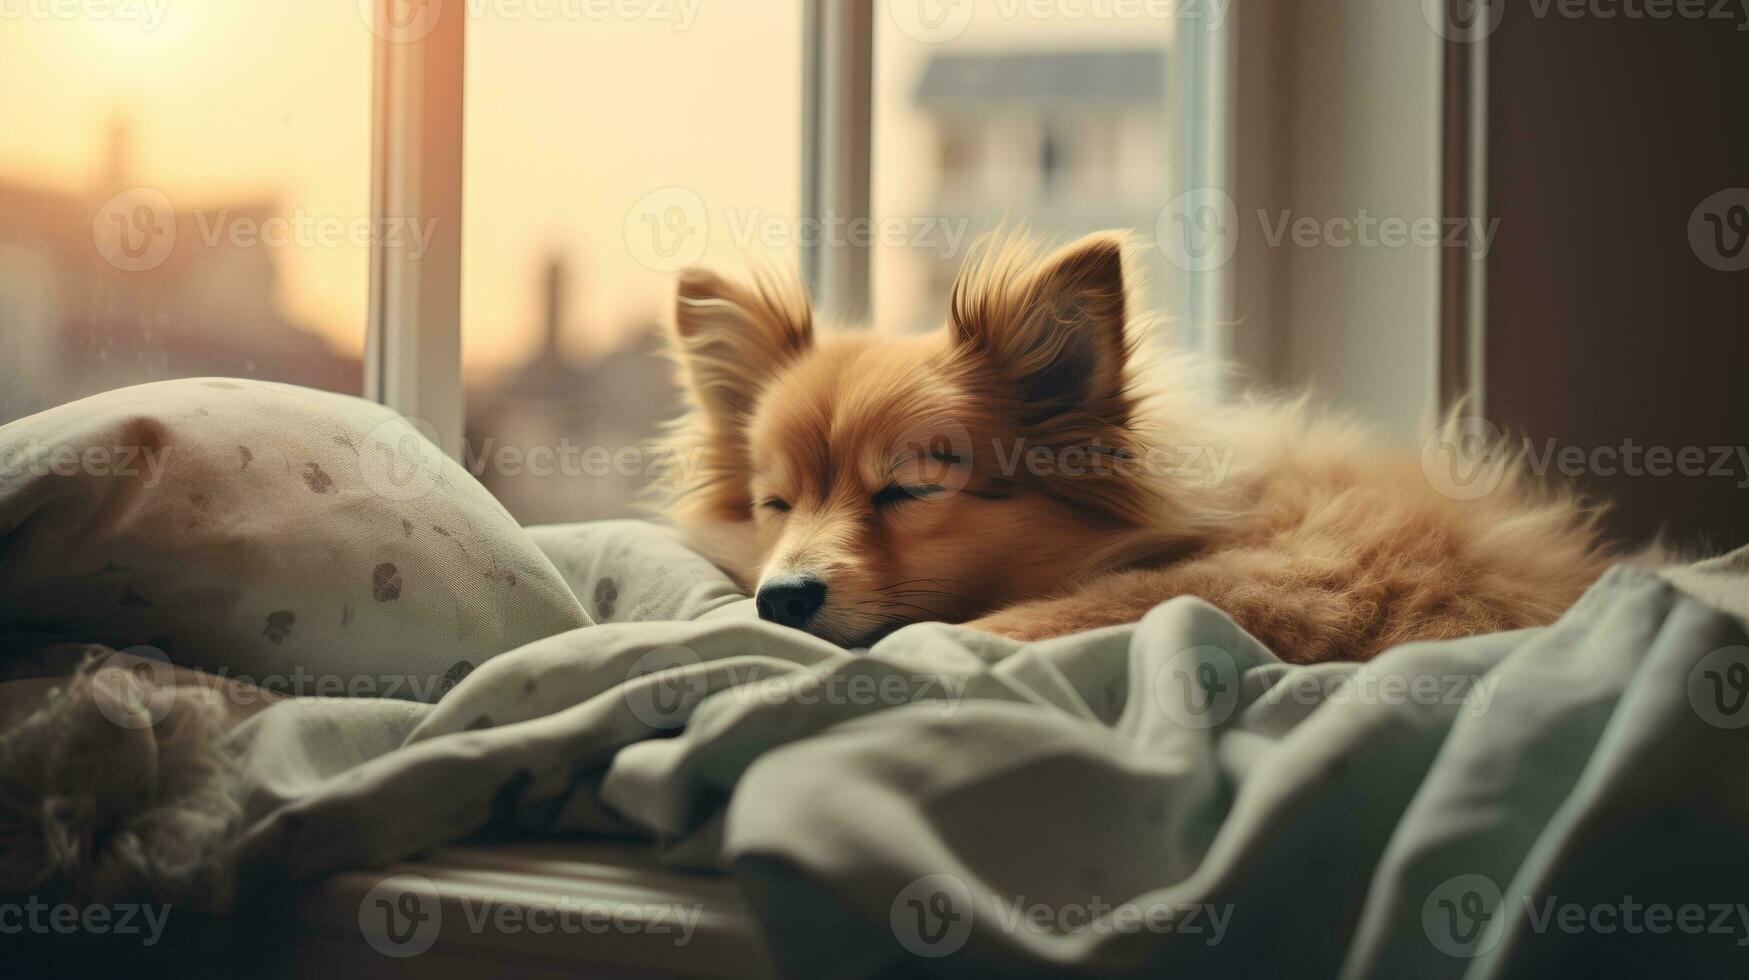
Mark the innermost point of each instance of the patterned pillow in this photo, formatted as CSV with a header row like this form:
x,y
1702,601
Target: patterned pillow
x,y
307,541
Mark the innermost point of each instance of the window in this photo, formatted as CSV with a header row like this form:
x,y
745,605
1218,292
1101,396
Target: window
x,y
277,190
184,190
603,154
1055,114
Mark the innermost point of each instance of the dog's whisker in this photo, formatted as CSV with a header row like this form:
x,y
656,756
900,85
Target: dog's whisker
x,y
892,604
940,592
928,593
919,616
887,603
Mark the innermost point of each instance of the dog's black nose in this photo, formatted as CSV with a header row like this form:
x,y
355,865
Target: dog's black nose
x,y
791,600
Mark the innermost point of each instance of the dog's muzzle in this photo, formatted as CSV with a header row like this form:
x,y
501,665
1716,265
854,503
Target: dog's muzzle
x,y
791,600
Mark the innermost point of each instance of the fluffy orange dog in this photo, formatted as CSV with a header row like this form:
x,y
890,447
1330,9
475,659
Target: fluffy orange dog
x,y
1028,470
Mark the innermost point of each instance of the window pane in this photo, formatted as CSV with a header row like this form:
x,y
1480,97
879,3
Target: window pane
x,y
1053,115
184,191
608,146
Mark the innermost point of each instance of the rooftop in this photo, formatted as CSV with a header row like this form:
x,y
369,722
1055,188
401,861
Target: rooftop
x,y
1082,79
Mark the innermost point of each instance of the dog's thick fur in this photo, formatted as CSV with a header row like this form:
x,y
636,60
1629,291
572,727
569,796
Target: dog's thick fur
x,y
114,789
1032,470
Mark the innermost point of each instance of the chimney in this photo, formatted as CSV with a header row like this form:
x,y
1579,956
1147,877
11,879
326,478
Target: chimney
x,y
118,155
555,305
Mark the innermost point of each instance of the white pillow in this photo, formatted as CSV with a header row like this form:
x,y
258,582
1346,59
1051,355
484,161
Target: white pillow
x,y
307,541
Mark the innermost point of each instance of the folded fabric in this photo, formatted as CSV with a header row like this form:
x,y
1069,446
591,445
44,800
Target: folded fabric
x,y
1165,798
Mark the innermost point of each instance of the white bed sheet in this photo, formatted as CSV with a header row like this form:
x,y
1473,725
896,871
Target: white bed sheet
x,y
499,917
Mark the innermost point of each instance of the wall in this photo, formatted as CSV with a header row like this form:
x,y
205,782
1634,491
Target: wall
x,y
1338,114
1604,323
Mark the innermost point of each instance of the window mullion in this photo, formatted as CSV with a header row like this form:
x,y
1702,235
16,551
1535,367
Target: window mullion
x,y
837,145
413,356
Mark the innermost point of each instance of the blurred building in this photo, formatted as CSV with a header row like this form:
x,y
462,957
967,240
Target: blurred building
x,y
72,324
1069,141
557,439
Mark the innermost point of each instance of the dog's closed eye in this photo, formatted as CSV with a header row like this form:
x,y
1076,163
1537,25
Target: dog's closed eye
x,y
898,493
775,503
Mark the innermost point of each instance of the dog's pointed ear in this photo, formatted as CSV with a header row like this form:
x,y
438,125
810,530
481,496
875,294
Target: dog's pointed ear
x,y
1056,331
732,337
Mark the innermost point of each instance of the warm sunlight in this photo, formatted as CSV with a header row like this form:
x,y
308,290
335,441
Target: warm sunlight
x,y
873,488
217,104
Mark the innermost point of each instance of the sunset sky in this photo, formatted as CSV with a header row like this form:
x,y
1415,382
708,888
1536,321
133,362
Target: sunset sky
x,y
571,120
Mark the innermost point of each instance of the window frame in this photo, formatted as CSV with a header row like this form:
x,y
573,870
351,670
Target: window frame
x,y
1200,109
413,348
413,351
838,150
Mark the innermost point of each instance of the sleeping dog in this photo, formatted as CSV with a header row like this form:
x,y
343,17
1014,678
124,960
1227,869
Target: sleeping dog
x,y
1033,469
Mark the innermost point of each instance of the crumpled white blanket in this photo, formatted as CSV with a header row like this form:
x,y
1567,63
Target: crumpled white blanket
x,y
1159,799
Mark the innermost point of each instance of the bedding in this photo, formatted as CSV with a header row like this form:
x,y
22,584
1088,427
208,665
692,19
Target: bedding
x,y
568,907
265,530
1166,798
1161,798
